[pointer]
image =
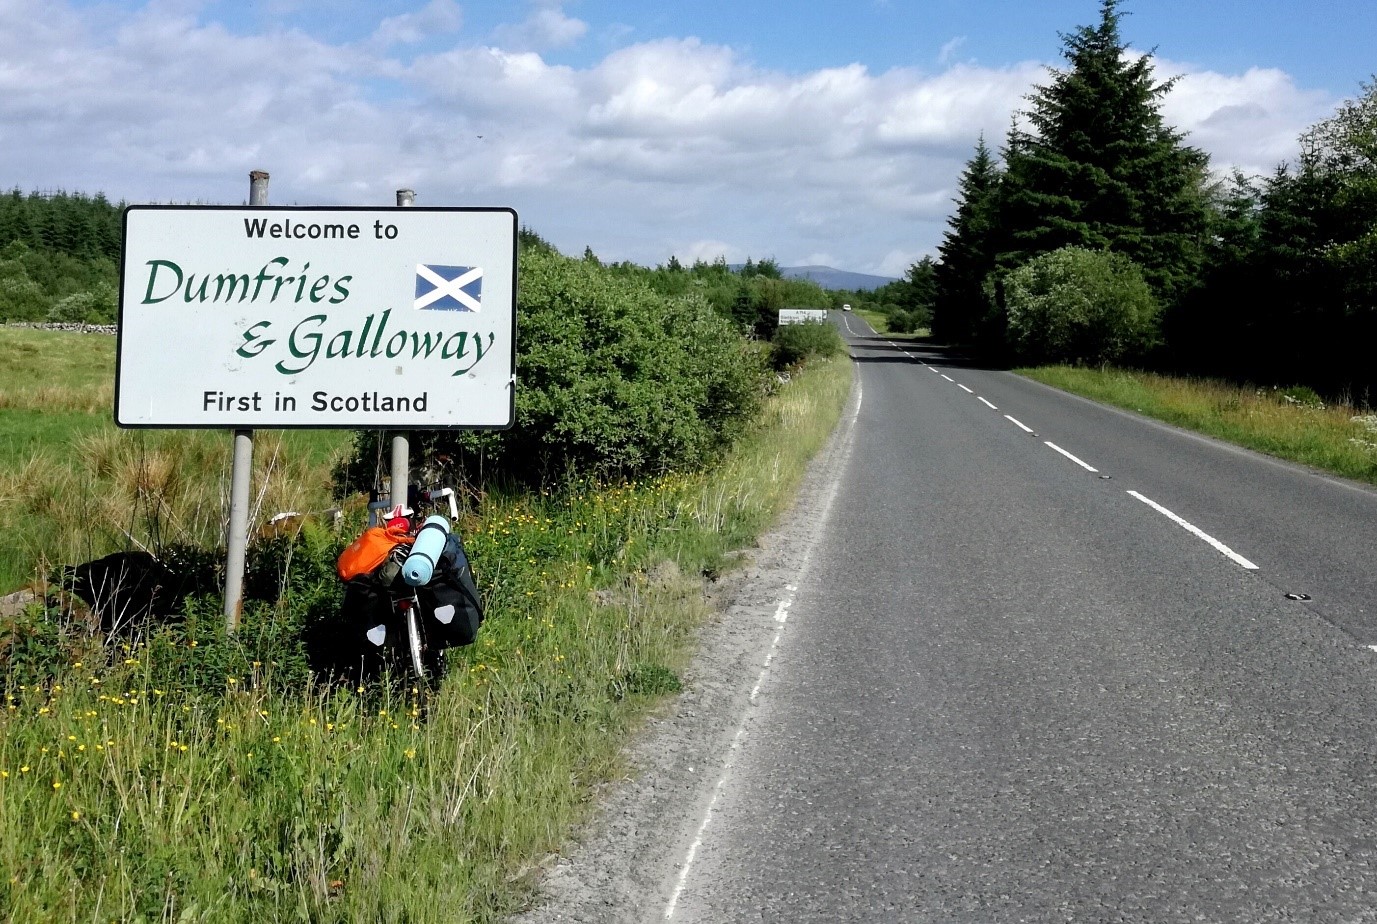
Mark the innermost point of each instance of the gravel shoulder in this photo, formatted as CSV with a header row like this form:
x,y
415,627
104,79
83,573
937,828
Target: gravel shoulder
x,y
624,865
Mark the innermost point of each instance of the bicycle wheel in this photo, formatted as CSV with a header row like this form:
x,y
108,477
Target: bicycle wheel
x,y
416,641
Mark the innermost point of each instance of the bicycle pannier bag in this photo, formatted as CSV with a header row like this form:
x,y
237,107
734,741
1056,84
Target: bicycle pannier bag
x,y
450,600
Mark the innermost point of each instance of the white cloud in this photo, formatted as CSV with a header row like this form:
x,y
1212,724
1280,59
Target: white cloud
x,y
438,17
949,49
1250,121
710,250
545,29
668,146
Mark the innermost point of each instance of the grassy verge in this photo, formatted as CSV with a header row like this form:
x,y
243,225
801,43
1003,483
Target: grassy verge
x,y
131,793
880,322
875,319
1288,423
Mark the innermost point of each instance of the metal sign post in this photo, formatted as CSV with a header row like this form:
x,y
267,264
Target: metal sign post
x,y
401,442
241,479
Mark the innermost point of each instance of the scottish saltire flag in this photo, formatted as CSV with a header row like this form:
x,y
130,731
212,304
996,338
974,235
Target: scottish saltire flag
x,y
449,288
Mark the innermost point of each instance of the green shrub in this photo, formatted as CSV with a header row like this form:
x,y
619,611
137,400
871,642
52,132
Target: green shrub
x,y
1084,306
796,343
613,379
98,306
901,321
21,299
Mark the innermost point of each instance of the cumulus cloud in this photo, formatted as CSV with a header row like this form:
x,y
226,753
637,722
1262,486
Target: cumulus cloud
x,y
1248,121
659,147
546,28
437,17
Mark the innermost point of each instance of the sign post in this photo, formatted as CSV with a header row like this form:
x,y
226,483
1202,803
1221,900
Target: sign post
x,y
401,442
241,478
287,317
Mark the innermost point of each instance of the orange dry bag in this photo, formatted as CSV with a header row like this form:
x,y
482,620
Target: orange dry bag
x,y
367,553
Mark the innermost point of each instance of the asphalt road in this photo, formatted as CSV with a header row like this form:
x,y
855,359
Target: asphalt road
x,y
1011,688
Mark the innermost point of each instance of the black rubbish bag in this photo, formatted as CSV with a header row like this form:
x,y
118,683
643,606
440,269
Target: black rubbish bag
x,y
450,601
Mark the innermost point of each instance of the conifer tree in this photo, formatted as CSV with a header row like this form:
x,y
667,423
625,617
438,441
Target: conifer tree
x,y
1101,169
967,251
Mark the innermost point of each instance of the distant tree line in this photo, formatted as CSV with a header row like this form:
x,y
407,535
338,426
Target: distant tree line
x,y
59,257
1098,235
751,296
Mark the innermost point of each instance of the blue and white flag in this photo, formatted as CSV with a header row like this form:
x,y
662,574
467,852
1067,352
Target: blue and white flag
x,y
449,288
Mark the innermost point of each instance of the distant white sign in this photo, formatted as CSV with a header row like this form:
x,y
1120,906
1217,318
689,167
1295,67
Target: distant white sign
x,y
317,317
802,316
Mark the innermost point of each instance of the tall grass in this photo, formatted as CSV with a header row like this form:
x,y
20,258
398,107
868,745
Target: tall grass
x,y
111,489
127,796
77,487
1290,423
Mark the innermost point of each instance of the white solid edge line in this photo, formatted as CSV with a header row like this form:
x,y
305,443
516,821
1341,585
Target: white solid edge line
x,y
964,388
781,617
1219,546
1017,424
1085,465
988,404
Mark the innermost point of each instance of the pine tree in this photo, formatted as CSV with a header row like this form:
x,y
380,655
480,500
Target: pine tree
x,y
1315,312
1100,169
967,251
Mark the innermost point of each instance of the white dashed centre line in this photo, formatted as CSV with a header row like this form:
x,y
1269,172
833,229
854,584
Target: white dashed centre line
x,y
987,404
964,388
1085,465
1219,546
1017,424
947,377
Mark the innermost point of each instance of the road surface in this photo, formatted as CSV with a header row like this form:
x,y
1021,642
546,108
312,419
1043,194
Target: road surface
x,y
1027,659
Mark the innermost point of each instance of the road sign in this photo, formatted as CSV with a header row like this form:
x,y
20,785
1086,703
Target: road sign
x,y
317,317
802,316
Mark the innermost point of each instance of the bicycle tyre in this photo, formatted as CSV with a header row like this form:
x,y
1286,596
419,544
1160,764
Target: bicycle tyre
x,y
416,642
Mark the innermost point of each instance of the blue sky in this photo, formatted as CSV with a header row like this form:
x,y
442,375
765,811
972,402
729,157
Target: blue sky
x,y
823,132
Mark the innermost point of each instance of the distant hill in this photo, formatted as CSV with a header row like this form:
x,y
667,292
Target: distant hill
x,y
830,278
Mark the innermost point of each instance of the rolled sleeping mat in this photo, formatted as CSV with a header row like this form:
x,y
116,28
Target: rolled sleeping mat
x,y
419,566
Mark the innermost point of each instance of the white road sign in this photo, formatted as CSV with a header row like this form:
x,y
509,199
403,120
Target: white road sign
x,y
317,317
802,316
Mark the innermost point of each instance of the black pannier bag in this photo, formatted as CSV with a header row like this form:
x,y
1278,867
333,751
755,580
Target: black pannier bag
x,y
450,601
356,646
